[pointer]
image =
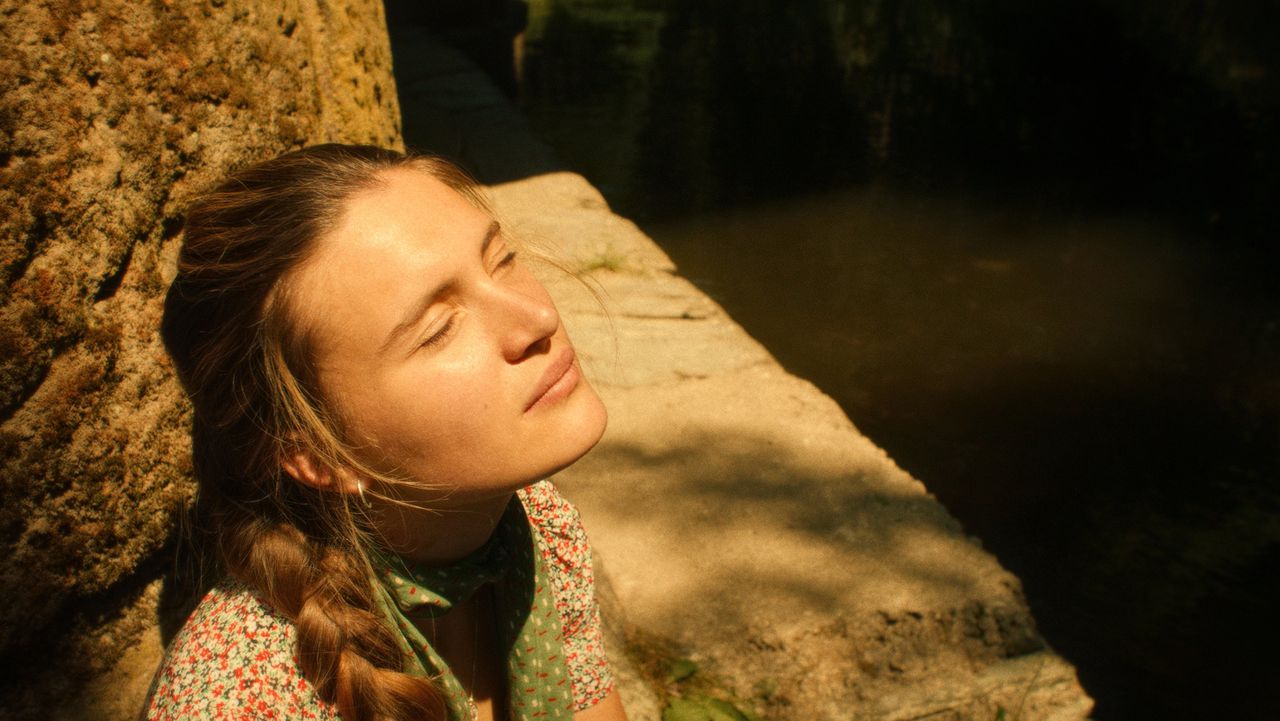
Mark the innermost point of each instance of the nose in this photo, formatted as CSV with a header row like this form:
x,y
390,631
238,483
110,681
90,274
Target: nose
x,y
529,319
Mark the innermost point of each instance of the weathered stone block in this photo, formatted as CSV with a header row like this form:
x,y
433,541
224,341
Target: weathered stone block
x,y
114,114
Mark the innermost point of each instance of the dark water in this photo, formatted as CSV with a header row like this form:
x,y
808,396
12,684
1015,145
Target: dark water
x,y
1096,399
1029,248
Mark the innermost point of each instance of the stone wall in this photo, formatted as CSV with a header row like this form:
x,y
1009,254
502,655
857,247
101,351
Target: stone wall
x,y
114,114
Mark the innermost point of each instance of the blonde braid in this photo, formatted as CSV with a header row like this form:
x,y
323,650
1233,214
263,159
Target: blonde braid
x,y
344,648
246,367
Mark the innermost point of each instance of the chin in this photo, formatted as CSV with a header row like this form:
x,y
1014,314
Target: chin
x,y
585,431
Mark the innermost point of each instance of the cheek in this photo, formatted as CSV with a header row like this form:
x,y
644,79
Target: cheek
x,y
455,407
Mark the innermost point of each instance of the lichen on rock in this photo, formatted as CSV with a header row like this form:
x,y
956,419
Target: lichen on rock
x,y
114,115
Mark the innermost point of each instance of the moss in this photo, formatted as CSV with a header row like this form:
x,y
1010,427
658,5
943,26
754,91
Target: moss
x,y
609,259
173,94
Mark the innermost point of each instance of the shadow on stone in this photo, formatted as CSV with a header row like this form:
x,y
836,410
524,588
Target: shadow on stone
x,y
450,107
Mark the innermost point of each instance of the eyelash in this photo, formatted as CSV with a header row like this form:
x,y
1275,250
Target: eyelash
x,y
439,336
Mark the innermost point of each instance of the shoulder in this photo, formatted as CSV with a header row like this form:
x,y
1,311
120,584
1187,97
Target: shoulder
x,y
560,537
233,659
565,549
552,515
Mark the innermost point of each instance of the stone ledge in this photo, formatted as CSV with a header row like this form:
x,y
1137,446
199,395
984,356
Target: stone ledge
x,y
746,524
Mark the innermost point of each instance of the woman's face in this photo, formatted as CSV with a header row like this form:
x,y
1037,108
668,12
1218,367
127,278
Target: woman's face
x,y
445,356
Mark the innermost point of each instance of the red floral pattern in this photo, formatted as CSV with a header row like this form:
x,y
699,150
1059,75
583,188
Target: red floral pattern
x,y
234,657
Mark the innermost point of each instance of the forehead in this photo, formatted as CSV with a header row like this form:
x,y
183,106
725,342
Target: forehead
x,y
406,207
392,243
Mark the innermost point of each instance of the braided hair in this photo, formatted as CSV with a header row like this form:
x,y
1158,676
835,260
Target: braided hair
x,y
245,363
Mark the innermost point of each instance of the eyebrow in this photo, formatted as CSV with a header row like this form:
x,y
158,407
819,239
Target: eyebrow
x,y
414,315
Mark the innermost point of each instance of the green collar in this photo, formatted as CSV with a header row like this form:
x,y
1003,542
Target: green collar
x,y
528,624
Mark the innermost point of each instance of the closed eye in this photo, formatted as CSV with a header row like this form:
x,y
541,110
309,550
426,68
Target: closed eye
x,y
507,259
440,336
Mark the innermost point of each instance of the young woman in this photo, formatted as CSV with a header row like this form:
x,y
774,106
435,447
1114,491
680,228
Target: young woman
x,y
380,387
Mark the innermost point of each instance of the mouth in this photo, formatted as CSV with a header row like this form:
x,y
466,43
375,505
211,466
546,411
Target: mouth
x,y
558,381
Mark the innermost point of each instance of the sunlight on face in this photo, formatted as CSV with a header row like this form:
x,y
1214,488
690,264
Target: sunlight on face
x,y
445,356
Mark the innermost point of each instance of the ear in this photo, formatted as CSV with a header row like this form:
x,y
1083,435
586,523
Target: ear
x,y
306,469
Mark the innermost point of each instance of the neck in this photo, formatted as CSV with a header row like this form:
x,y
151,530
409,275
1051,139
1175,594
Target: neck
x,y
439,536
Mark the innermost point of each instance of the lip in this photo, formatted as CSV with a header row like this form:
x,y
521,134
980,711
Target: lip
x,y
558,380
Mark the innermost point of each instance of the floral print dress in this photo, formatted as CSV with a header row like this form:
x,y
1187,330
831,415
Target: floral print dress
x,y
234,657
